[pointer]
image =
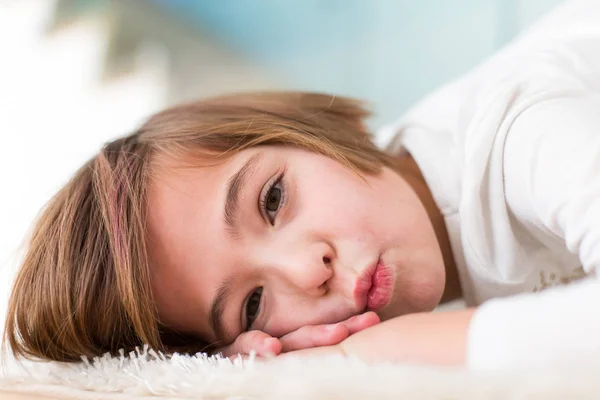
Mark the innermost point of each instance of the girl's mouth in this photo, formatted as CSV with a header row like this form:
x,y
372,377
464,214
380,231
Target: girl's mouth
x,y
374,288
382,287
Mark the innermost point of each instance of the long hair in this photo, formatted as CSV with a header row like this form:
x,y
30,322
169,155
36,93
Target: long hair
x,y
84,288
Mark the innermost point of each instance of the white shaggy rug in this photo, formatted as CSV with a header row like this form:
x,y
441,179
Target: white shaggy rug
x,y
148,374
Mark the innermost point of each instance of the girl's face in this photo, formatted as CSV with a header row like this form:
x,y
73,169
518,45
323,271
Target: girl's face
x,y
277,238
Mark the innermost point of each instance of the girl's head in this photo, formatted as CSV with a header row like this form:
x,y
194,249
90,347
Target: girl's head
x,y
250,211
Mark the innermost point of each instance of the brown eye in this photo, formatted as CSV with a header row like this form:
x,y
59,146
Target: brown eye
x,y
273,199
253,307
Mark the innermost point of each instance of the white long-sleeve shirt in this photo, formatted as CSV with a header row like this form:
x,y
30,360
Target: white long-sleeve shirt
x,y
511,153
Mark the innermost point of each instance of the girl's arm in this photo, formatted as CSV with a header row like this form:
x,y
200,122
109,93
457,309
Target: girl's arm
x,y
551,329
423,338
429,338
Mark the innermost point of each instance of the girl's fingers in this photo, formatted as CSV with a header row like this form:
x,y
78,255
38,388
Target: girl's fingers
x,y
303,338
314,336
361,321
262,343
327,335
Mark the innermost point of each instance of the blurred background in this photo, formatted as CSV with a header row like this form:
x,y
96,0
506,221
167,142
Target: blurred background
x,y
76,73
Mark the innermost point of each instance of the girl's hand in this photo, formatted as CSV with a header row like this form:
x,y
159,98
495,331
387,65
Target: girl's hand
x,y
305,337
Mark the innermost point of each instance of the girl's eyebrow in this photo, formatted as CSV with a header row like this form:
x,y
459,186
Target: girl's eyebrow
x,y
235,186
217,308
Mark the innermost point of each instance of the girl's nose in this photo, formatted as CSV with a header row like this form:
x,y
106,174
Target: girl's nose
x,y
308,269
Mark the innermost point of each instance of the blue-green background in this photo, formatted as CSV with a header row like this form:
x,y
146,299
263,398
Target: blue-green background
x,y
390,52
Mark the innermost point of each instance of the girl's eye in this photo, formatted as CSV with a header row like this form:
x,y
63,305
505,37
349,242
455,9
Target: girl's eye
x,y
253,307
271,201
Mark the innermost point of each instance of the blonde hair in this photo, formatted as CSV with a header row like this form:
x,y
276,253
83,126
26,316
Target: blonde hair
x,y
84,287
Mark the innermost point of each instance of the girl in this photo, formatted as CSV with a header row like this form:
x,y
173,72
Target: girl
x,y
270,222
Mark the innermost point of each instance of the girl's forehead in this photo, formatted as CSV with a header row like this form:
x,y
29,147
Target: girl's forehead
x,y
193,164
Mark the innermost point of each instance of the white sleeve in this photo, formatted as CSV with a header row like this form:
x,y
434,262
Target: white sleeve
x,y
557,327
552,182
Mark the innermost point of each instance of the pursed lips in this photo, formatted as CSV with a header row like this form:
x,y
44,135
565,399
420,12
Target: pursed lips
x,y
374,287
363,285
